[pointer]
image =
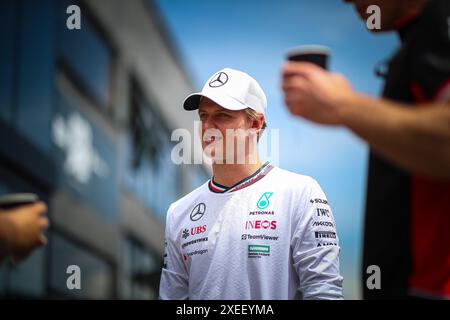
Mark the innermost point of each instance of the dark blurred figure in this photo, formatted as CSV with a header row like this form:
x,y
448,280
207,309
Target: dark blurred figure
x,y
21,230
407,222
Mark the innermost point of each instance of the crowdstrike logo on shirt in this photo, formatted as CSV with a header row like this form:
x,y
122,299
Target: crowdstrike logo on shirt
x,y
184,245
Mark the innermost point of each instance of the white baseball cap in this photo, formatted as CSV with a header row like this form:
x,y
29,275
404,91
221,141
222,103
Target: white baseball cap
x,y
232,90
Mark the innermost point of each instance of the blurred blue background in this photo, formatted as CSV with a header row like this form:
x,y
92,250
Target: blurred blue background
x,y
86,123
253,36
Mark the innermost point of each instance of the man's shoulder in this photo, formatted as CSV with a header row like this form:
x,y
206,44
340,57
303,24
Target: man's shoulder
x,y
294,180
302,189
185,203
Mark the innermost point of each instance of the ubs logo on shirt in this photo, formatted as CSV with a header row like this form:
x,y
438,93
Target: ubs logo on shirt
x,y
194,230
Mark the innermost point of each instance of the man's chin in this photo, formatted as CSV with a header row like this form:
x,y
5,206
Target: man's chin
x,y
208,147
210,150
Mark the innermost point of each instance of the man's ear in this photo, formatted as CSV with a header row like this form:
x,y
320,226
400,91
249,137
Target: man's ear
x,y
258,122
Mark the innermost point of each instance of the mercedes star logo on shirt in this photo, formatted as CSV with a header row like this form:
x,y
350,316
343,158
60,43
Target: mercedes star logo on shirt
x,y
218,80
198,211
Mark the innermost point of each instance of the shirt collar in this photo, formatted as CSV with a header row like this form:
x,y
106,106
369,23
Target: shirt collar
x,y
244,183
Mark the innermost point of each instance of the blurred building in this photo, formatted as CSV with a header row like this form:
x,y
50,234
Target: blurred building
x,y
85,122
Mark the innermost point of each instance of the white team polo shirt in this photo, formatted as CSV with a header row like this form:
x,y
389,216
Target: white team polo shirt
x,y
271,236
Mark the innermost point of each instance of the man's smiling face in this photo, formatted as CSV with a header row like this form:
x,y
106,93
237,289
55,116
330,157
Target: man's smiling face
x,y
215,121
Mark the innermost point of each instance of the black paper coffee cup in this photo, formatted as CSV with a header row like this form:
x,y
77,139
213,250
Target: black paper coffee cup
x,y
317,54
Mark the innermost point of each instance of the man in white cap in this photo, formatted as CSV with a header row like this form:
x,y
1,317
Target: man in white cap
x,y
252,231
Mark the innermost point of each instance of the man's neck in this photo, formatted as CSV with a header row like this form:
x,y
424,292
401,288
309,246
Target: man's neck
x,y
230,174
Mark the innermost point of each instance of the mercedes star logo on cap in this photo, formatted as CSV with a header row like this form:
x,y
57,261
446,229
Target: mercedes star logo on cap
x,y
218,80
198,211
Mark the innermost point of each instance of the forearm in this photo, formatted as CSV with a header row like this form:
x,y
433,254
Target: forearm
x,y
417,139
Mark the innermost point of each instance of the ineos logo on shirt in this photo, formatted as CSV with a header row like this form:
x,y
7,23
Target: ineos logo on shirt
x,y
198,211
261,224
219,80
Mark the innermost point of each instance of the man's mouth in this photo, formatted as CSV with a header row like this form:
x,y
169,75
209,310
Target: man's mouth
x,y
208,139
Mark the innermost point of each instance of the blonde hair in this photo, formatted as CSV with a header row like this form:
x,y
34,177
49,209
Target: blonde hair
x,y
253,115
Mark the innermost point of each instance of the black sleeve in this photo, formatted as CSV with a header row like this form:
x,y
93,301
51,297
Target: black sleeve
x,y
430,59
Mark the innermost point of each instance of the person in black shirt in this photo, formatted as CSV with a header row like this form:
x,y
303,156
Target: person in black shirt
x,y
407,221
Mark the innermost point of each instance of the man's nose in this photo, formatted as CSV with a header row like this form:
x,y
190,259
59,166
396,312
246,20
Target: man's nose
x,y
207,123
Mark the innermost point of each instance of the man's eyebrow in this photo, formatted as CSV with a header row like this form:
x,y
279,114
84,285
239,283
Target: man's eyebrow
x,y
225,111
215,111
